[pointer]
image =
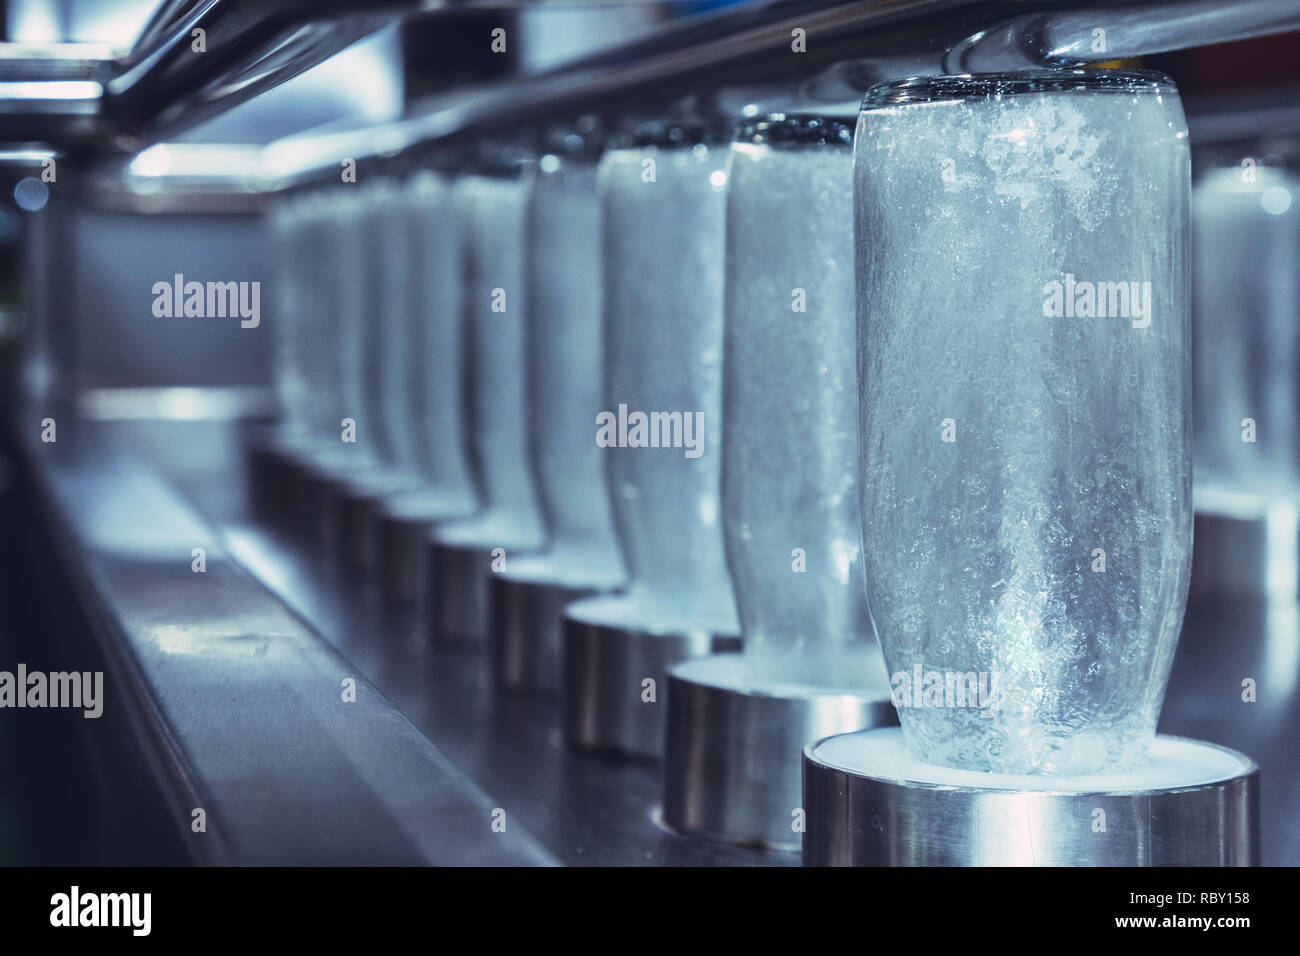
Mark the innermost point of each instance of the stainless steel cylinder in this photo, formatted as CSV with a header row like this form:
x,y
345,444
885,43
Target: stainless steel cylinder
x,y
360,501
734,746
868,802
273,466
457,582
612,680
527,627
399,540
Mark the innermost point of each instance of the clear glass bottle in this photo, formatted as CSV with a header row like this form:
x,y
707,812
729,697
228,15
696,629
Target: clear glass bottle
x,y
664,207
436,374
394,317
344,358
493,208
564,369
289,226
1024,356
790,413
1246,317
382,242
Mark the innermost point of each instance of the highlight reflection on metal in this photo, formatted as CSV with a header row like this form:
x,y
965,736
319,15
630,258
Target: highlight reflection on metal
x,y
1026,480
467,551
810,665
664,209
1195,804
565,353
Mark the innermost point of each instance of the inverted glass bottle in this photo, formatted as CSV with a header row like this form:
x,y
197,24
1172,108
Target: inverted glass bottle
x,y
386,326
1025,418
493,210
790,425
1246,314
344,359
329,319
664,207
565,367
435,345
289,226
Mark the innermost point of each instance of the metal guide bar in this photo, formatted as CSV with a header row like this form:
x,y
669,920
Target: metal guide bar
x,y
746,56
236,703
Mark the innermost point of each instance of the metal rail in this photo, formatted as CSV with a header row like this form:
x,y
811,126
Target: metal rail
x,y
74,94
71,95
227,700
746,55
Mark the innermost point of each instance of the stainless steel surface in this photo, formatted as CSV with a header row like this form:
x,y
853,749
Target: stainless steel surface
x,y
239,707
859,817
526,626
733,763
613,683
590,810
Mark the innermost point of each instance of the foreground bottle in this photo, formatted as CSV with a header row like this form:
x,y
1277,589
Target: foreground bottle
x,y
1025,418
